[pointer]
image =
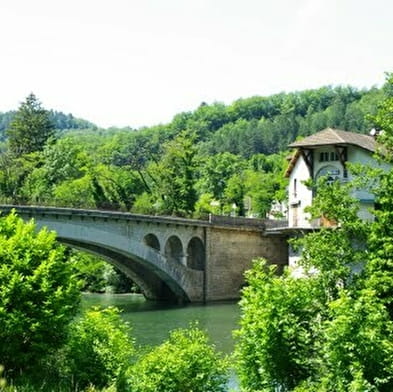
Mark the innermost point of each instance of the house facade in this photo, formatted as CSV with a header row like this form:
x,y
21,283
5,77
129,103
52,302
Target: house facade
x,y
327,153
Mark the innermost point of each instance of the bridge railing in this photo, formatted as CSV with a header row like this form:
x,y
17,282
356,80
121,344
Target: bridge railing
x,y
236,221
214,220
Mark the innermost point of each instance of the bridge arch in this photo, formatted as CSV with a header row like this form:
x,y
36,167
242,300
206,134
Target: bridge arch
x,y
152,241
154,284
158,277
174,249
196,254
151,286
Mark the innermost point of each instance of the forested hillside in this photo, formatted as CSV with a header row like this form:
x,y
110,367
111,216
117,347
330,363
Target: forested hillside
x,y
222,159
60,121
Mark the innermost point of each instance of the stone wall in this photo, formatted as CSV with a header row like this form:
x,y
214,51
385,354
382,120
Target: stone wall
x,y
230,254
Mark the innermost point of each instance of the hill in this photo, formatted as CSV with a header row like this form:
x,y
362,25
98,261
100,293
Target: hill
x,y
220,159
62,122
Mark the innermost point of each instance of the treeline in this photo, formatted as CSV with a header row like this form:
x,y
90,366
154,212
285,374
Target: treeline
x,y
60,121
268,124
221,159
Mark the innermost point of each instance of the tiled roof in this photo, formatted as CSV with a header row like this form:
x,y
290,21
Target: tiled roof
x,y
331,136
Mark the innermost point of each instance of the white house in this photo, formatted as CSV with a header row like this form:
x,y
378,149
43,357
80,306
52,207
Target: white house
x,y
326,153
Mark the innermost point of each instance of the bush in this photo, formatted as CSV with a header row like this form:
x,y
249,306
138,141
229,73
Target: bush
x,y
99,348
185,362
38,296
358,346
278,330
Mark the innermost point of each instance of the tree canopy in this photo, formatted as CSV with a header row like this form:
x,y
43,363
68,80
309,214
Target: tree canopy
x,y
30,128
332,329
218,158
38,296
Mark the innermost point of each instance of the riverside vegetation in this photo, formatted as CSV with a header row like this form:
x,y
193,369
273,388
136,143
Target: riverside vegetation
x,y
329,331
333,329
45,346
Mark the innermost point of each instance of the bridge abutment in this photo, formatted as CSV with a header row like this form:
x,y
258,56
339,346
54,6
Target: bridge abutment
x,y
230,253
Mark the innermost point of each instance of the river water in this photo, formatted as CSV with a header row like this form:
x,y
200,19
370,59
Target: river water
x,y
151,322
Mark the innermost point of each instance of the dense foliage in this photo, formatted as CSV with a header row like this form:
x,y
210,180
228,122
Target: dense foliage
x,y
99,349
329,332
277,336
30,128
215,159
38,295
61,122
332,329
185,362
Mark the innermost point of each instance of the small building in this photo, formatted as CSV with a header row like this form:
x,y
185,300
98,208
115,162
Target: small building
x,y
326,153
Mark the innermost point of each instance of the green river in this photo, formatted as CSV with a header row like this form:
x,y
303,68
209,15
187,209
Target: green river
x,y
151,321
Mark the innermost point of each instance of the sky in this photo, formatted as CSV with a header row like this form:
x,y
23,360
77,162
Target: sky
x,y
139,62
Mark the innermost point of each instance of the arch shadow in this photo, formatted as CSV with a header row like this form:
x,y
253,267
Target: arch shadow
x,y
174,249
196,254
154,284
152,241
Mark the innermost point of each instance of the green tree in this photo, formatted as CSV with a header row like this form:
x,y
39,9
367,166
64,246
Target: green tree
x,y
31,127
262,189
99,348
234,194
78,193
39,295
357,350
205,205
98,275
380,266
277,339
14,172
312,333
216,170
174,178
61,161
90,270
336,252
185,362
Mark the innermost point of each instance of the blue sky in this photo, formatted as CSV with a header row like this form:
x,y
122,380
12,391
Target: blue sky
x,y
139,62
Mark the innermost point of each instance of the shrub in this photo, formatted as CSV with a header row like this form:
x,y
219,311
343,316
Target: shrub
x,y
38,296
99,348
278,330
358,346
185,362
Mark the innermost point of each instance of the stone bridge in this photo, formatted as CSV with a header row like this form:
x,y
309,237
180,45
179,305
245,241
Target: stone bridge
x,y
169,258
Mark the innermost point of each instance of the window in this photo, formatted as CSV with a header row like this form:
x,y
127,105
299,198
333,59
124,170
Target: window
x,y
331,172
326,156
323,156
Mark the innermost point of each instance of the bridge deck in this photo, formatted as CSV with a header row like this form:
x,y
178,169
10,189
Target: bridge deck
x,y
213,220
